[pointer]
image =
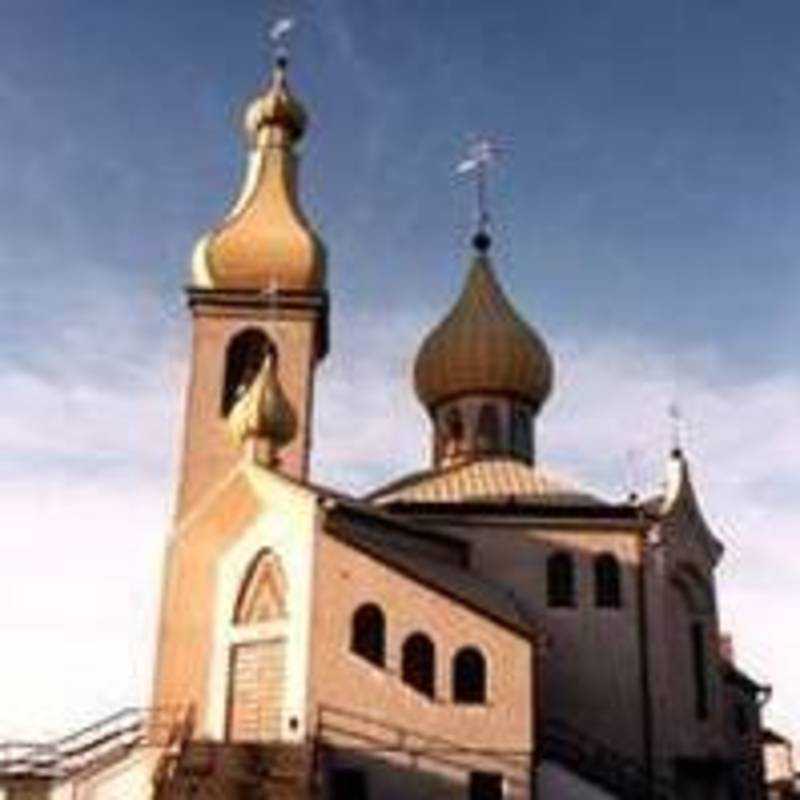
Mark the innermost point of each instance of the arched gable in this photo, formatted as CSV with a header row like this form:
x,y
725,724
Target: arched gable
x,y
262,596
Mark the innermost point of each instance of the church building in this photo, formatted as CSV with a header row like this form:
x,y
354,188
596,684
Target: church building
x,y
479,629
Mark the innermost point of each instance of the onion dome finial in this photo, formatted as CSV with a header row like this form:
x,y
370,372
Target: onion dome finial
x,y
276,108
483,346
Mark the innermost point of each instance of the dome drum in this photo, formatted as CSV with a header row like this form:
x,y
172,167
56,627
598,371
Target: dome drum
x,y
482,426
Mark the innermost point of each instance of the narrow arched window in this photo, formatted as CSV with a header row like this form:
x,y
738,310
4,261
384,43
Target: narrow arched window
x,y
368,634
469,676
488,439
451,433
521,432
454,425
419,664
560,581
697,636
243,359
607,583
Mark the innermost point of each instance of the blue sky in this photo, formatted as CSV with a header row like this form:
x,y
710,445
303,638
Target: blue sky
x,y
646,219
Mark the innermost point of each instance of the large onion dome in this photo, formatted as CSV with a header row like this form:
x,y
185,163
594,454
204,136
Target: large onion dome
x,y
483,347
265,242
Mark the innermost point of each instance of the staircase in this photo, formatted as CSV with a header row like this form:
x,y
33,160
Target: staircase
x,y
216,770
622,776
186,768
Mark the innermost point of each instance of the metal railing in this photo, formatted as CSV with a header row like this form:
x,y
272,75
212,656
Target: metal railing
x,y
370,736
105,739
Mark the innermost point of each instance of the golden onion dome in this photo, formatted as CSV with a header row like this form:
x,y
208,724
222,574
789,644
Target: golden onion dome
x,y
263,412
483,346
266,242
278,418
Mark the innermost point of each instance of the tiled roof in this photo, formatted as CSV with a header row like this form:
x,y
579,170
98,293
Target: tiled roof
x,y
484,481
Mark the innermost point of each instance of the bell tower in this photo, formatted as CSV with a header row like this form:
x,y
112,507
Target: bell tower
x,y
257,296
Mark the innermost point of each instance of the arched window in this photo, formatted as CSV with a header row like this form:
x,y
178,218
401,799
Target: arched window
x,y
521,431
243,359
419,664
262,596
697,634
607,585
469,676
488,439
451,434
698,602
560,581
368,634
454,425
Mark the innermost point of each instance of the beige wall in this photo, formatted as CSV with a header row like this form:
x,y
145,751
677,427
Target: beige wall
x,y
346,578
185,635
680,572
591,676
592,667
129,779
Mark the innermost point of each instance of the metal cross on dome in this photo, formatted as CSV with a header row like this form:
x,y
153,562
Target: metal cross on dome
x,y
278,36
676,423
483,152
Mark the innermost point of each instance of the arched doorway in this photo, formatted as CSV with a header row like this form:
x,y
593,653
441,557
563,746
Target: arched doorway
x,y
257,671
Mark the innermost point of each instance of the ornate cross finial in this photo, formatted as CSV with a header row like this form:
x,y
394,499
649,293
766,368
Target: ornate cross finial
x,y
278,34
481,154
676,426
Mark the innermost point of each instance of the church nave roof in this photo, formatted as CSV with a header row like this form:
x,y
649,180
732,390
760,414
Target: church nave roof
x,y
496,480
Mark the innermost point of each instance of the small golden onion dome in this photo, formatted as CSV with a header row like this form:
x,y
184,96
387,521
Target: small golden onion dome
x,y
266,242
483,346
263,412
276,108
278,420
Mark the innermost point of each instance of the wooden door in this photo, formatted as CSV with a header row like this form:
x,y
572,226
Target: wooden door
x,y
257,682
